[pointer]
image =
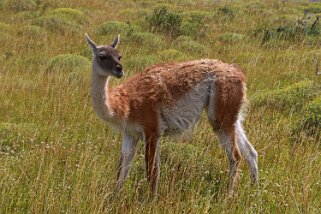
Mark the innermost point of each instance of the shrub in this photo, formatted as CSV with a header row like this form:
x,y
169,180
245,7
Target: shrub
x,y
86,52
75,77
255,7
312,120
172,55
145,39
55,23
141,62
164,21
132,30
314,8
31,31
112,27
67,62
310,124
189,29
231,38
225,13
194,23
198,15
26,15
20,5
290,30
133,13
291,97
186,43
70,14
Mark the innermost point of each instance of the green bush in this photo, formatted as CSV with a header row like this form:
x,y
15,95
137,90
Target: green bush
x,y
314,8
131,14
147,40
67,62
75,77
185,43
61,20
31,31
132,30
289,30
113,27
312,119
193,29
141,62
310,124
172,55
86,52
292,97
194,23
224,13
255,7
231,38
198,15
20,5
27,15
164,21
70,14
56,23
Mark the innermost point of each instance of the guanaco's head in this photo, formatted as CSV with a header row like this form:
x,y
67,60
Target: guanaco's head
x,y
106,59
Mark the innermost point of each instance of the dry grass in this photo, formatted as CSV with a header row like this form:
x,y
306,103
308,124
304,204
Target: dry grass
x,y
56,156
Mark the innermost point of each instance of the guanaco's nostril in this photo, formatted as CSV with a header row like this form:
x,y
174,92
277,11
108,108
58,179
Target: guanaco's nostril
x,y
119,67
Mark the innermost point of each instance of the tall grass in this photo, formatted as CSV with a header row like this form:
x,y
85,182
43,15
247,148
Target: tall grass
x,y
56,156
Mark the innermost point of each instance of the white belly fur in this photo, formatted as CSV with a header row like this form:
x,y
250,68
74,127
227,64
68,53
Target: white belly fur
x,y
186,112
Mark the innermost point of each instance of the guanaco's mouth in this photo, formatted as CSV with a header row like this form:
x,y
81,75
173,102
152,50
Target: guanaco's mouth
x,y
118,73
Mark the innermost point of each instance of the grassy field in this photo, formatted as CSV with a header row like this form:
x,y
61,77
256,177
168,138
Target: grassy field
x,y
57,156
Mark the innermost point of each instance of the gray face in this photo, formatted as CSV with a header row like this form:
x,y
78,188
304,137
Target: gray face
x,y
108,59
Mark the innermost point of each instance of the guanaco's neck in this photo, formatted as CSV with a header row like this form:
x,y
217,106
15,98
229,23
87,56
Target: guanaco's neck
x,y
100,96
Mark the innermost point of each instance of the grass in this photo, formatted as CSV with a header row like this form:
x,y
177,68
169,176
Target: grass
x,y
56,156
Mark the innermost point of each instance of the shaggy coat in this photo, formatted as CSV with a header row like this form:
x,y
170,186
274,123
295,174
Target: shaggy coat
x,y
167,99
142,97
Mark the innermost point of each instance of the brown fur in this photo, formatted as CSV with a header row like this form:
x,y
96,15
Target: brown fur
x,y
150,102
166,83
137,100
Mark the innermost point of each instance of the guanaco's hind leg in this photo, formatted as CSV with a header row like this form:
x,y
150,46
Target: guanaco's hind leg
x,y
228,142
225,101
227,138
247,151
152,160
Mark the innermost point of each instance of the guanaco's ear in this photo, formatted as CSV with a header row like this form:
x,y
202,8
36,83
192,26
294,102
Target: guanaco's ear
x,y
116,41
91,44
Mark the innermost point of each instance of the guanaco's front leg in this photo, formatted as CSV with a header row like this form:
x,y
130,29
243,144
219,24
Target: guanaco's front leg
x,y
128,151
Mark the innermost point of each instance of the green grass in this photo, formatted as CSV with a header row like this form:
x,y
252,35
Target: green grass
x,y
56,156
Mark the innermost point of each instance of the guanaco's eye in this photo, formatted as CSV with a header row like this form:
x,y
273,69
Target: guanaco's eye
x,y
104,57
119,57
